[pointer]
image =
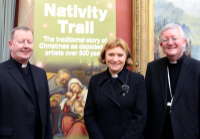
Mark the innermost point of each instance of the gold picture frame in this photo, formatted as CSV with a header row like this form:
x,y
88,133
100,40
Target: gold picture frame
x,y
143,34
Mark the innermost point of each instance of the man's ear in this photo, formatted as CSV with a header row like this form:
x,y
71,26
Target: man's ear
x,y
161,44
10,44
185,42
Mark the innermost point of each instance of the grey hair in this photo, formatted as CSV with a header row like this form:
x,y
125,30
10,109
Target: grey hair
x,y
172,26
62,71
24,28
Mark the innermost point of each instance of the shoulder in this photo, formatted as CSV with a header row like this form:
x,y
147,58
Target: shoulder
x,y
37,70
35,67
192,63
157,61
99,78
136,77
98,75
157,64
4,65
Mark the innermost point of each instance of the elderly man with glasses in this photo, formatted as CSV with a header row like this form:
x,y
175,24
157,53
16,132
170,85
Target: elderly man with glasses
x,y
173,90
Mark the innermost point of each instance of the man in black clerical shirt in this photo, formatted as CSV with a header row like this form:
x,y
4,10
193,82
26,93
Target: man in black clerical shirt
x,y
173,90
24,93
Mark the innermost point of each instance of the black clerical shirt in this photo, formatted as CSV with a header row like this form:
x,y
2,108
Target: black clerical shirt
x,y
174,70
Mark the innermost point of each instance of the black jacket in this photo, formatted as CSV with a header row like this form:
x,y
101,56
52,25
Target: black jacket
x,y
185,110
16,105
118,114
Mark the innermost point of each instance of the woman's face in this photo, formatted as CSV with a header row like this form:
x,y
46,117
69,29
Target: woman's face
x,y
75,87
115,59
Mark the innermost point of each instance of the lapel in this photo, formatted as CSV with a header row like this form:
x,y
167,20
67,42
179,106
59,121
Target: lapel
x,y
36,80
107,88
163,80
109,92
15,73
183,75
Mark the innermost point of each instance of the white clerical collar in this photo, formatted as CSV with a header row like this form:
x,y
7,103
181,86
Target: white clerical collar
x,y
24,66
173,62
114,75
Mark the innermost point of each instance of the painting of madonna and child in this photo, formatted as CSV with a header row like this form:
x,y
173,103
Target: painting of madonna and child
x,y
68,92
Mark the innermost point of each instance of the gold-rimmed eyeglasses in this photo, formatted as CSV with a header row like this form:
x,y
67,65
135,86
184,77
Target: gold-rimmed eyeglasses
x,y
166,40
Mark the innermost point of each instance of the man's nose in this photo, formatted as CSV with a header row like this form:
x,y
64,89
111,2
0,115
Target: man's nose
x,y
63,79
170,41
25,44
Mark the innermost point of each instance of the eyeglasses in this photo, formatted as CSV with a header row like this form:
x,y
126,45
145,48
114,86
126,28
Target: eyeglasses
x,y
166,40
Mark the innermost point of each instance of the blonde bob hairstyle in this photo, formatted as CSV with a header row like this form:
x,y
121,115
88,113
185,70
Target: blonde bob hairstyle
x,y
113,43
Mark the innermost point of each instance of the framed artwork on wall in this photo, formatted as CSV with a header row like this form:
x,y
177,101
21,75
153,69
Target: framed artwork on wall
x,y
143,34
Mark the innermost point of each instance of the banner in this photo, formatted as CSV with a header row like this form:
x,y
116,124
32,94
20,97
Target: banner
x,y
68,38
